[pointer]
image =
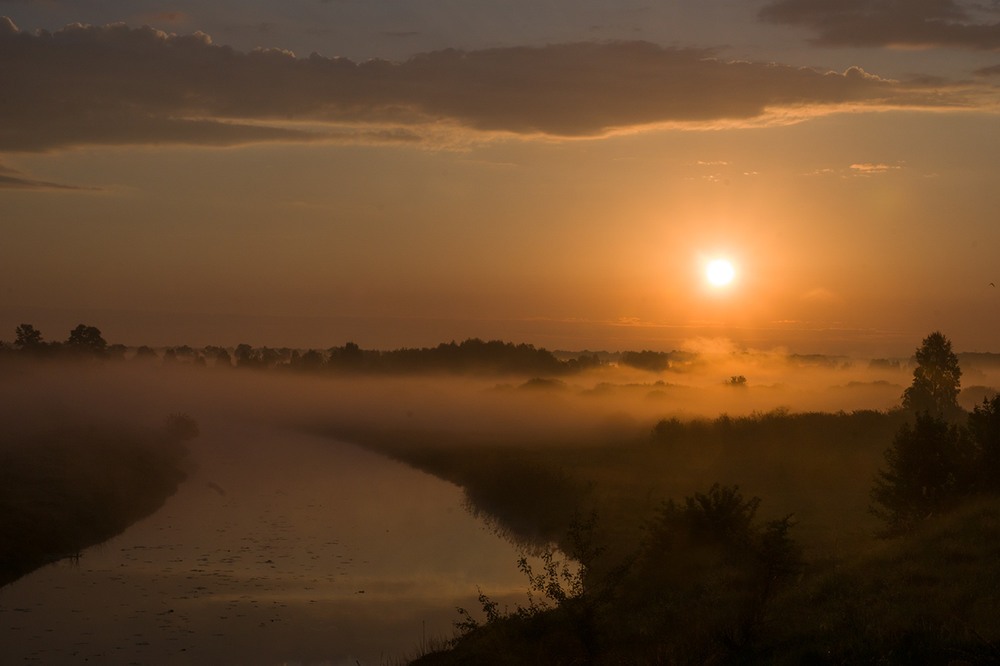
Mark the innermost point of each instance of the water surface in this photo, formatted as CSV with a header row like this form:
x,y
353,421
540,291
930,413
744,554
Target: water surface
x,y
280,547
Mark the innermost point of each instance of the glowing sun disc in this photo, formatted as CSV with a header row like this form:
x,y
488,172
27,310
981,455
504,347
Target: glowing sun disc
x,y
720,272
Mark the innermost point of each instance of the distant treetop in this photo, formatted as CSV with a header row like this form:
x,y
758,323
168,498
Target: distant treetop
x,y
936,379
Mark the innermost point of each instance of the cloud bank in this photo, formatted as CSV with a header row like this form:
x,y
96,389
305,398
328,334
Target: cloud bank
x,y
879,23
118,85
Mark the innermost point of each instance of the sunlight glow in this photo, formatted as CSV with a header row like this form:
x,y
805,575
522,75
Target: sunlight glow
x,y
720,272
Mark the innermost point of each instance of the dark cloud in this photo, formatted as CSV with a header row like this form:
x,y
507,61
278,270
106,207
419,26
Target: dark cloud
x,y
992,70
907,23
121,85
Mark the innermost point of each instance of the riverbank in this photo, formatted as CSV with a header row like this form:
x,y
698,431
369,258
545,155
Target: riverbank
x,y
72,487
678,570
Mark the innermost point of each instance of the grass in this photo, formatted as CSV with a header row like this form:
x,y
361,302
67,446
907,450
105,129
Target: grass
x,y
929,597
72,487
817,466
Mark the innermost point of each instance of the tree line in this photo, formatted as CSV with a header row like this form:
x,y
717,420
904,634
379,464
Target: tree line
x,y
470,356
82,341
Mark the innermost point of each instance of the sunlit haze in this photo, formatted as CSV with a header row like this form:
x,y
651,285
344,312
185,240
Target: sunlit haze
x,y
364,332
309,174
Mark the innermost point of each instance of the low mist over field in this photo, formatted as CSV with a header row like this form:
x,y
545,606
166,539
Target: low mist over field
x,y
564,406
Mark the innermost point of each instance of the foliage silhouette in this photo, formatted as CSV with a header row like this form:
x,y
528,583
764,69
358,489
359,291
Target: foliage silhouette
x,y
693,595
646,360
657,361
984,427
472,356
706,565
246,356
930,466
116,352
86,341
28,338
936,379
219,356
936,462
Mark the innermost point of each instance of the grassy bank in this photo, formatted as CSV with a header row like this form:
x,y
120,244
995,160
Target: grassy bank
x,y
817,466
69,488
798,577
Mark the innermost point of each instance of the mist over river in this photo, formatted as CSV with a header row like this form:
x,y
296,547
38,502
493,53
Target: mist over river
x,y
281,547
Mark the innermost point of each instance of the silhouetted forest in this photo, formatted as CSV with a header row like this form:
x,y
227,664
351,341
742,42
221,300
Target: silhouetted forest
x,y
654,361
470,356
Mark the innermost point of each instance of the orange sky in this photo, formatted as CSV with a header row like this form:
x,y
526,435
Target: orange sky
x,y
169,189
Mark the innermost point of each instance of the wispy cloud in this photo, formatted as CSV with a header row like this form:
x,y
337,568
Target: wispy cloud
x,y
859,170
887,23
869,168
11,179
120,85
992,70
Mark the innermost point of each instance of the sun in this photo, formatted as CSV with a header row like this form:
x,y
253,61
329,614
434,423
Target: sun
x,y
720,272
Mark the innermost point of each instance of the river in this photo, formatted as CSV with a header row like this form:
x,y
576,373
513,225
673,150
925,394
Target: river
x,y
281,547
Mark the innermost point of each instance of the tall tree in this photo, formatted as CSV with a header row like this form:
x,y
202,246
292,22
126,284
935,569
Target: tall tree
x,y
87,340
28,338
936,379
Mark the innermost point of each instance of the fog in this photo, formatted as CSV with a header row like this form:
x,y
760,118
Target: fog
x,y
578,407
271,469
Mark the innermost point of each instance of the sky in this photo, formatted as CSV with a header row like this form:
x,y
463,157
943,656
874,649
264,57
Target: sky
x,y
398,174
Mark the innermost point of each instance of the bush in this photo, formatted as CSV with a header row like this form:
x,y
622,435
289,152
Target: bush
x,y
697,591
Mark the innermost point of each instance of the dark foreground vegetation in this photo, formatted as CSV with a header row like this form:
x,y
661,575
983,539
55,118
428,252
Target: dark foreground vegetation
x,y
721,577
877,541
72,487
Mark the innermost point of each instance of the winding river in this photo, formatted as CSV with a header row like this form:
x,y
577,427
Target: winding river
x,y
281,547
